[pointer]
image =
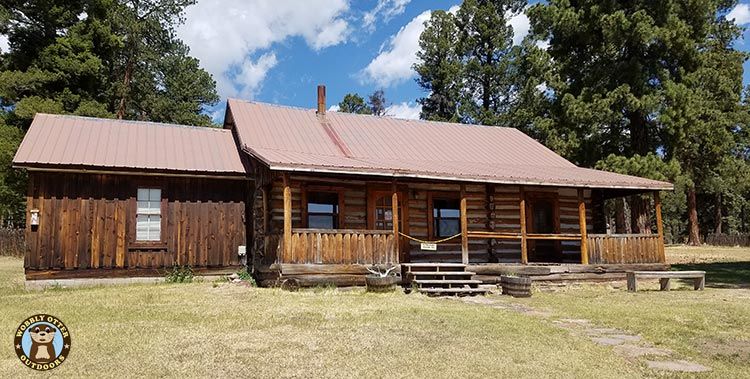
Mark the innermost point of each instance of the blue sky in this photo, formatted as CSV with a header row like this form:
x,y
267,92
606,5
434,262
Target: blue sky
x,y
277,51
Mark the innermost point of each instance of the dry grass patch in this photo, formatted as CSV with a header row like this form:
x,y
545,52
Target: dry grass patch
x,y
200,329
711,327
681,254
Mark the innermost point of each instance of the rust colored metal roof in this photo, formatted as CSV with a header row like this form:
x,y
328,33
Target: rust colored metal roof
x,y
72,142
293,139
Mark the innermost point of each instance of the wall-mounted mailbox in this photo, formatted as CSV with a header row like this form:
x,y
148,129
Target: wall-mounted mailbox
x,y
34,217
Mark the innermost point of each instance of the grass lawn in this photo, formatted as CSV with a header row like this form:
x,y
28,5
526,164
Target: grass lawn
x,y
201,330
711,327
210,329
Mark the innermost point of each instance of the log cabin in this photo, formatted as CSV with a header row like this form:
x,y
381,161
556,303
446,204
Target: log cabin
x,y
318,197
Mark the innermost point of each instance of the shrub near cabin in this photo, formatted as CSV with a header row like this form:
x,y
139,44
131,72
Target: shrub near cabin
x,y
42,342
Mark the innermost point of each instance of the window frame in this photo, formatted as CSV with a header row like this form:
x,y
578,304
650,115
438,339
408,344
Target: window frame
x,y
133,242
375,192
339,192
431,197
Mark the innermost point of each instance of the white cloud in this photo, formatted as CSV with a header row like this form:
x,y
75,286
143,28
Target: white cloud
x,y
520,24
385,8
394,64
225,34
740,14
404,110
4,45
334,108
251,74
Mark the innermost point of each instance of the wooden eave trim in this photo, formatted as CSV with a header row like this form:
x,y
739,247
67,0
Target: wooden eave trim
x,y
394,174
124,171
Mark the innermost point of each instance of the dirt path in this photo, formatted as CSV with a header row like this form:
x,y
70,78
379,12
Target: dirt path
x,y
632,347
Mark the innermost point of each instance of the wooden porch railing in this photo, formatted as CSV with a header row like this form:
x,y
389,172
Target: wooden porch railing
x,y
340,246
625,248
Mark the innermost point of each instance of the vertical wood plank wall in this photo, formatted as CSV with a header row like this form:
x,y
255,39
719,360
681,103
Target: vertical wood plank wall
x,y
87,224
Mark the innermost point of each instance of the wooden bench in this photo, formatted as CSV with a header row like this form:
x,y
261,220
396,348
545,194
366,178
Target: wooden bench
x,y
699,278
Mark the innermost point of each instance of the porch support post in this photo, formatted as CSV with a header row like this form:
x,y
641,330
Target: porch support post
x,y
396,236
464,228
659,226
582,225
522,209
287,218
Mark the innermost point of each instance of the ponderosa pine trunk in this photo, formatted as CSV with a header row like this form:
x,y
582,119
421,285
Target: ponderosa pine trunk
x,y
718,219
620,227
126,89
640,219
694,238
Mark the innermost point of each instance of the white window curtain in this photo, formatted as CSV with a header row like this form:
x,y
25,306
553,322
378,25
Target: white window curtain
x,y
148,215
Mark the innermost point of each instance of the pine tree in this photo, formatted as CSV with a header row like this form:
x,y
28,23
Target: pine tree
x,y
377,103
353,103
102,58
485,43
439,68
628,83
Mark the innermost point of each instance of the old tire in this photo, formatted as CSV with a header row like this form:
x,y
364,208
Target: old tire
x,y
516,286
381,284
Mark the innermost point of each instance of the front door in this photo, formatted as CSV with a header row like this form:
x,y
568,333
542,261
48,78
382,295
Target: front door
x,y
380,215
543,218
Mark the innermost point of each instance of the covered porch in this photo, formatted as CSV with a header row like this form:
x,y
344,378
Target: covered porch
x,y
542,232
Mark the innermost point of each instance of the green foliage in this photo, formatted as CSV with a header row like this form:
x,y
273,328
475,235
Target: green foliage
x,y
12,182
247,277
353,103
466,63
485,44
376,103
121,60
652,89
439,68
646,82
179,274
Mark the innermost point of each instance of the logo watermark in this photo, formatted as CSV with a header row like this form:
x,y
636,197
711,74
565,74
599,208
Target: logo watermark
x,y
42,342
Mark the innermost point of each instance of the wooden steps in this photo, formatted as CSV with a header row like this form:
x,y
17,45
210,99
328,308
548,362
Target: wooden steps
x,y
442,279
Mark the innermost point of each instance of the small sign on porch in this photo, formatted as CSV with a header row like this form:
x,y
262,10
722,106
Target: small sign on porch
x,y
428,246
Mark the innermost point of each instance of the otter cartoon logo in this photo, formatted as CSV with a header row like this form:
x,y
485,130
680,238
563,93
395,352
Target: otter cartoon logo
x,y
42,342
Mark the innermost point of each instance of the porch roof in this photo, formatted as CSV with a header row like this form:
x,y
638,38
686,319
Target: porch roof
x,y
295,139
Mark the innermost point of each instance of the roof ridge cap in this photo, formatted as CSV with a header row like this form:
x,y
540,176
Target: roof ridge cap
x,y
138,122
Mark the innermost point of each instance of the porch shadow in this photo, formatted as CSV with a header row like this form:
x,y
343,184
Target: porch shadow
x,y
721,274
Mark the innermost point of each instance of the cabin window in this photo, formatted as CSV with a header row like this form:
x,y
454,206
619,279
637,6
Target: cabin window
x,y
148,215
446,217
323,210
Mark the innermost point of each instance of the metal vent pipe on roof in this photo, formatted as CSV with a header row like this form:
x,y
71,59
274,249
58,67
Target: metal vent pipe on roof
x,y
321,99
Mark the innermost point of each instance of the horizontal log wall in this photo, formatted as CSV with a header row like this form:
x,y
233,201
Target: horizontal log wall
x,y
624,248
505,213
355,201
87,223
490,208
419,224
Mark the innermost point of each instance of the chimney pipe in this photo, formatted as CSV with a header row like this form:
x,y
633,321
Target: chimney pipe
x,y
321,99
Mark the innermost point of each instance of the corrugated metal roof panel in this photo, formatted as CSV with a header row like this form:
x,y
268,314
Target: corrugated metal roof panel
x,y
84,142
289,138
